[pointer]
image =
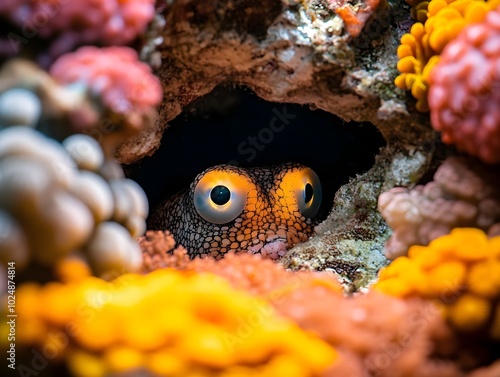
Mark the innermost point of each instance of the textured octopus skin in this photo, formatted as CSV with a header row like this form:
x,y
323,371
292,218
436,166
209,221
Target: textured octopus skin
x,y
269,224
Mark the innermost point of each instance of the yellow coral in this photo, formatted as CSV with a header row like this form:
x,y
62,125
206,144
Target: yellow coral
x,y
439,22
170,323
461,271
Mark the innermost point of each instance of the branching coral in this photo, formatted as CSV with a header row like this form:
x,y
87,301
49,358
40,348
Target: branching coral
x,y
464,193
465,90
73,23
460,271
167,323
440,22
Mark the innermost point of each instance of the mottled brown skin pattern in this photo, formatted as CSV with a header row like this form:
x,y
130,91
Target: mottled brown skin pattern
x,y
269,215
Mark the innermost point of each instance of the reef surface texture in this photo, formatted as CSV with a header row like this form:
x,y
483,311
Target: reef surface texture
x,y
312,53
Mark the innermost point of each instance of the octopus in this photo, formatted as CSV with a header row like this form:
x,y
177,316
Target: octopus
x,y
263,210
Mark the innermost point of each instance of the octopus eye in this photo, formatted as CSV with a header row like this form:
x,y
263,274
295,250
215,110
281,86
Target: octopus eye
x,y
302,189
309,199
220,196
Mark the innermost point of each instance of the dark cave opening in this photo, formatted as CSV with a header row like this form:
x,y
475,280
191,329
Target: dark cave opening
x,y
231,125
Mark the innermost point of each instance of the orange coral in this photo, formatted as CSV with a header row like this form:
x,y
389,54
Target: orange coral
x,y
440,22
168,323
355,16
356,326
159,250
244,271
461,271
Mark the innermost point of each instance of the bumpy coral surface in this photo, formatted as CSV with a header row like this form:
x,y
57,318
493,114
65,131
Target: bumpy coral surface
x,y
72,23
375,335
460,271
115,73
110,96
355,326
126,87
465,90
167,323
464,193
58,204
244,271
440,22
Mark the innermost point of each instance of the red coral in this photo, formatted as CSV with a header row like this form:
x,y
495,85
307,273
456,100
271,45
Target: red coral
x,y
464,96
72,23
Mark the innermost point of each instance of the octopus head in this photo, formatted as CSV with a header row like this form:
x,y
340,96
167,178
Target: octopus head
x,y
256,210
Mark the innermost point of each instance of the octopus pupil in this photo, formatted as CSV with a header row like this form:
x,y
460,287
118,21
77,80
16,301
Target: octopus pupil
x,y
308,193
220,195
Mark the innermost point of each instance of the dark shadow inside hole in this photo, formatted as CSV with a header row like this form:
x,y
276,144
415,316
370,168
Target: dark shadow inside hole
x,y
233,125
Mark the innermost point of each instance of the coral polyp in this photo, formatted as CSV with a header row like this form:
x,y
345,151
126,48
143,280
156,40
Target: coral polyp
x,y
465,91
439,23
460,271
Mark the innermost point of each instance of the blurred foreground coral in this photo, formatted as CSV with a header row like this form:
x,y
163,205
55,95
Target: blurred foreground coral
x,y
66,208
255,318
124,87
374,334
61,211
65,25
464,193
167,323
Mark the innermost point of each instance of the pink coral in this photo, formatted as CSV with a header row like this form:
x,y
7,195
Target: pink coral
x,y
115,73
375,335
72,23
123,87
464,193
464,96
